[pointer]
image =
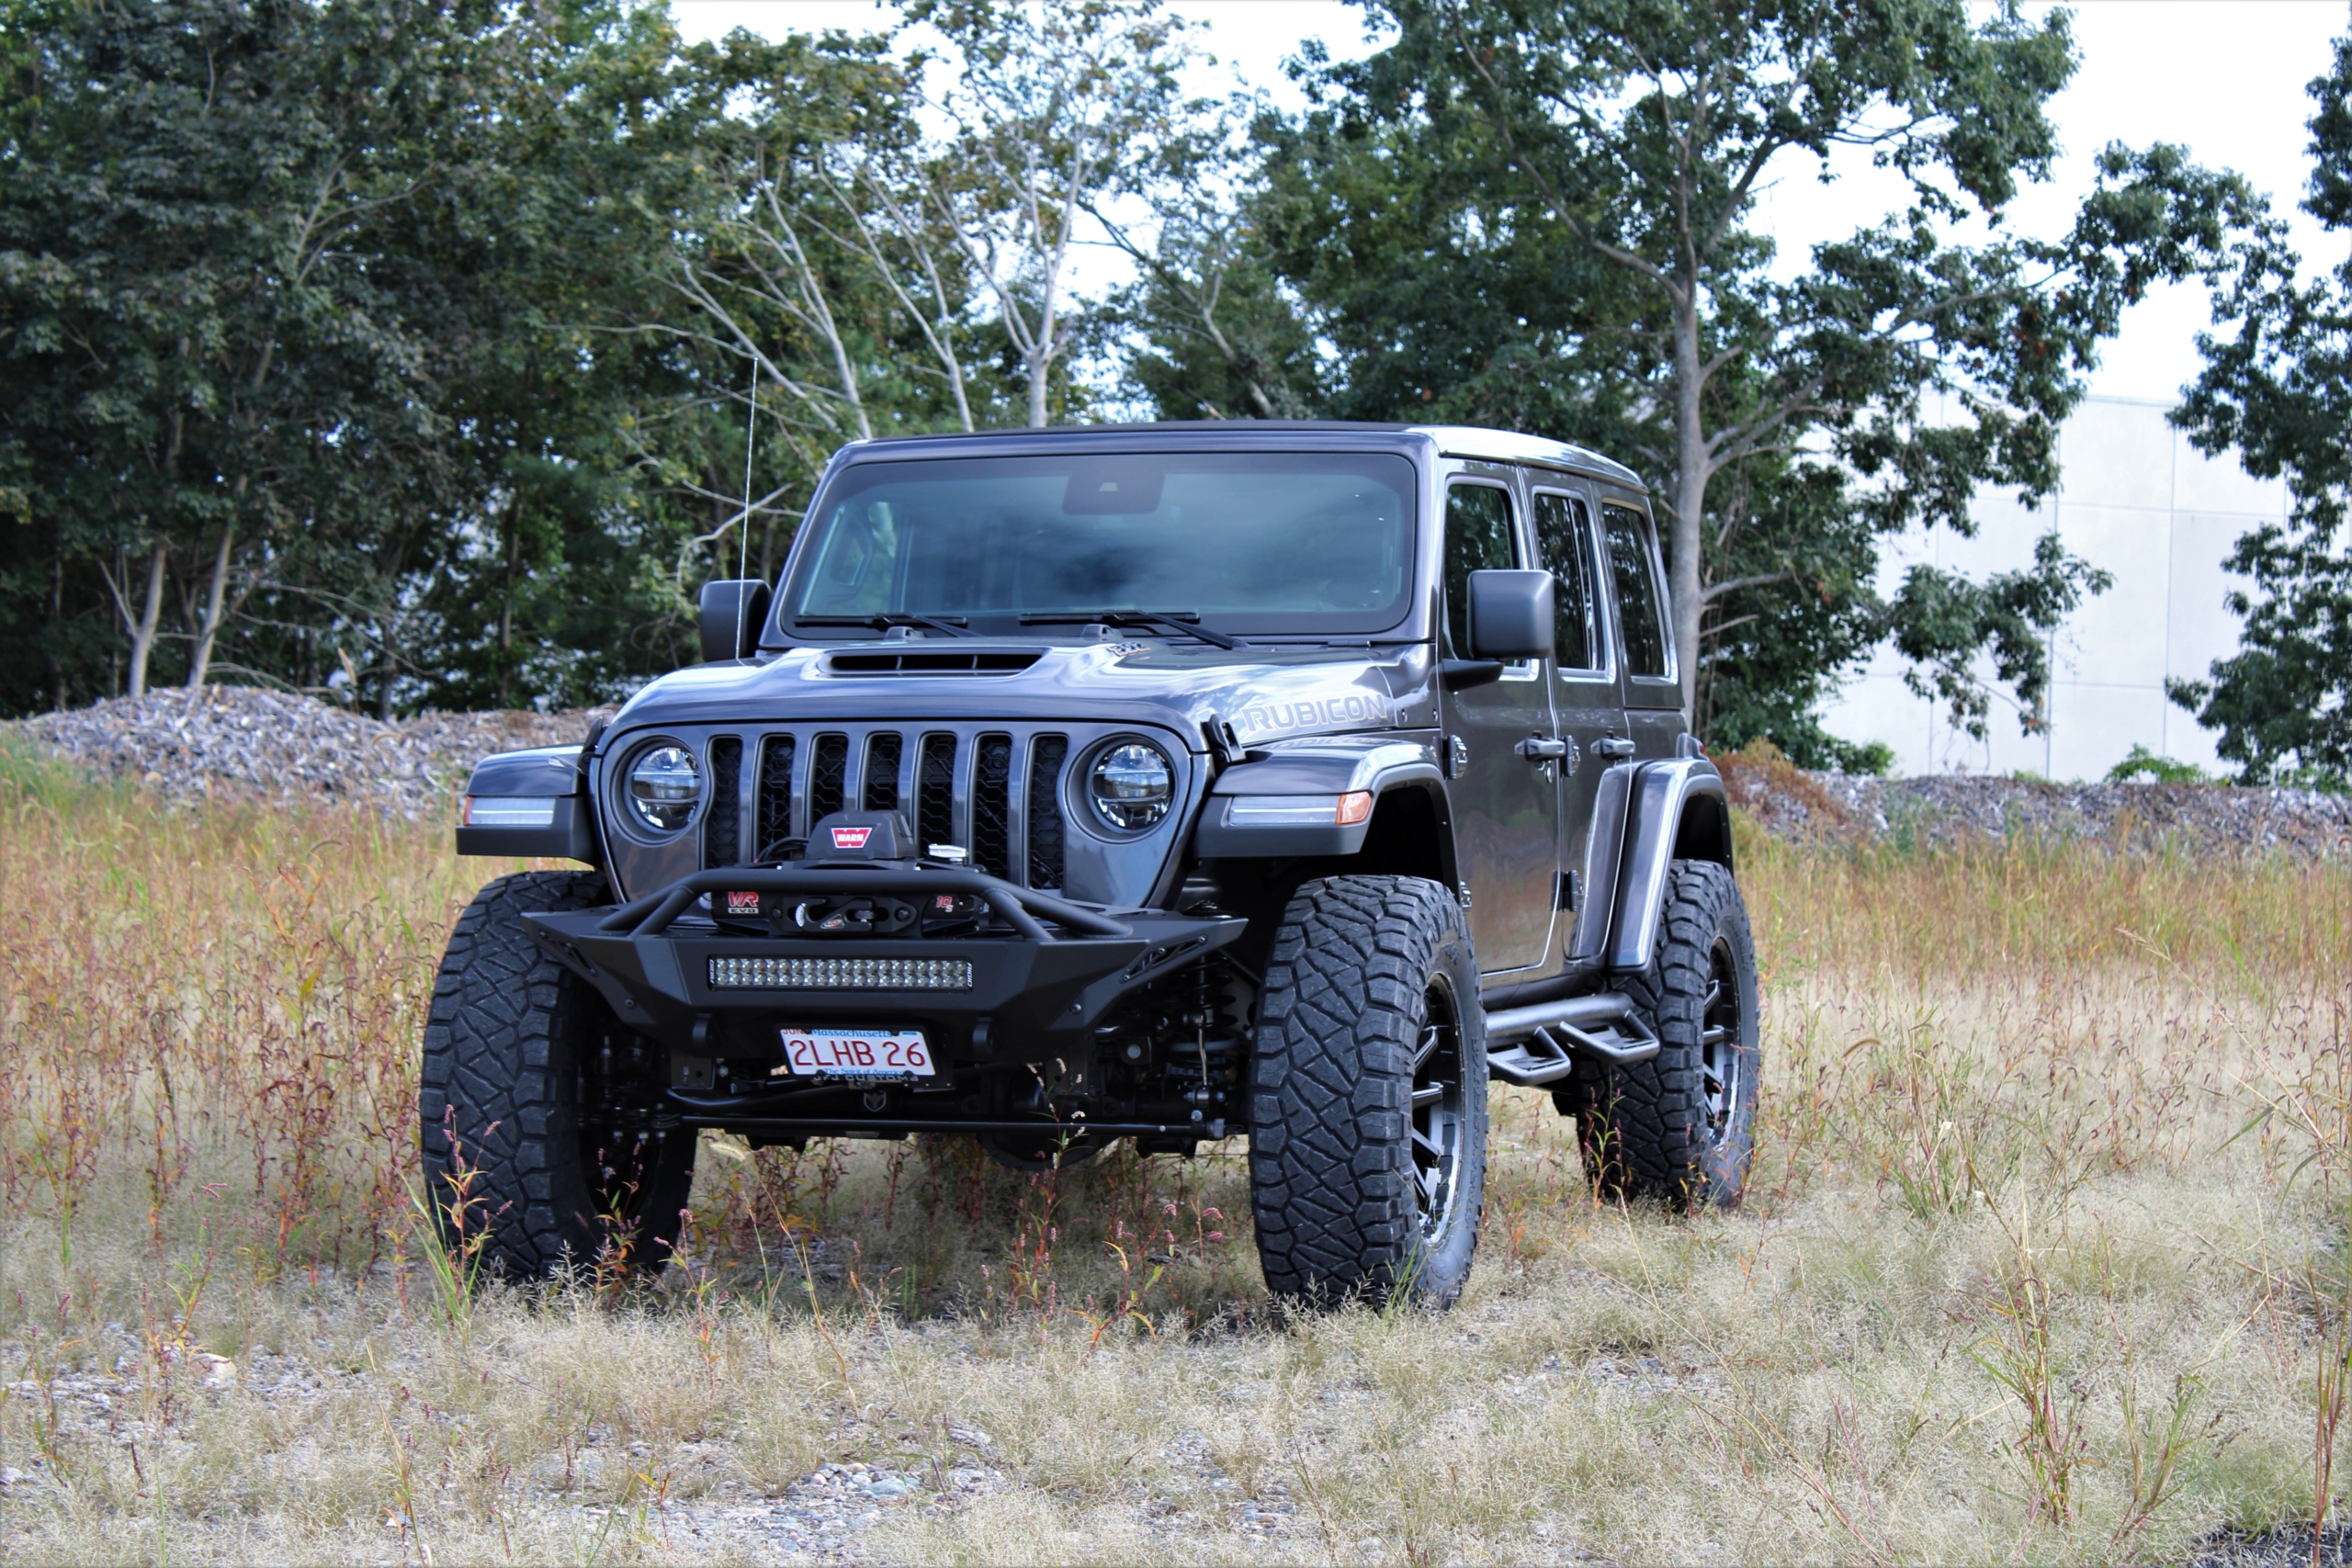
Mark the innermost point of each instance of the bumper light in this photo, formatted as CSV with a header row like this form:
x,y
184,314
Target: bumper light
x,y
841,973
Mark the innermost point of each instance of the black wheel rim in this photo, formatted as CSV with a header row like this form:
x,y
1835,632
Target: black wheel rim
x,y
1437,1113
1721,1065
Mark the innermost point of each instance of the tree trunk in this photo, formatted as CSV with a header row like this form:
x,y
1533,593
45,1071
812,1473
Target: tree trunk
x,y
210,628
143,635
1691,475
1039,366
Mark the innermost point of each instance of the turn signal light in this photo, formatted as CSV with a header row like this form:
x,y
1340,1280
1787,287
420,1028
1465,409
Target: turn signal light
x,y
1354,808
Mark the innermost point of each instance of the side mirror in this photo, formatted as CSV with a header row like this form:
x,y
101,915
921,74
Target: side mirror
x,y
1510,615
732,609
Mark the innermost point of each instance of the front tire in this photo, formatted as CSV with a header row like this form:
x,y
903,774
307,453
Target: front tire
x,y
1368,1095
1680,1128
515,1046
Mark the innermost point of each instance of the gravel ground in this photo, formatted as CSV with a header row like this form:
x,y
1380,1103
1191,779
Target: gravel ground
x,y
246,743
1951,808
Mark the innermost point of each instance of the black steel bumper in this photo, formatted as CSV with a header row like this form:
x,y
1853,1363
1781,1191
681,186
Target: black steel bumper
x,y
1038,983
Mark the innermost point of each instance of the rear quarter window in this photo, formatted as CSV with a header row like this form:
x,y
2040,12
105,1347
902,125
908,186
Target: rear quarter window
x,y
1641,609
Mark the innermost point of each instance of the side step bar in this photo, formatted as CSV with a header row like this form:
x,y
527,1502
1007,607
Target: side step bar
x,y
1538,1045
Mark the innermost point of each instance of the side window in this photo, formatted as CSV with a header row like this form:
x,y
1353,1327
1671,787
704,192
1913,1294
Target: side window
x,y
1477,538
1638,607
1563,534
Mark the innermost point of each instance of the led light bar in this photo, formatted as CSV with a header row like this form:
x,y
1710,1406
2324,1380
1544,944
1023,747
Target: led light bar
x,y
841,973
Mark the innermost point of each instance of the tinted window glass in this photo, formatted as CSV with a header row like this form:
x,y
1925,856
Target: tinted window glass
x,y
1477,538
1564,533
1269,542
1638,609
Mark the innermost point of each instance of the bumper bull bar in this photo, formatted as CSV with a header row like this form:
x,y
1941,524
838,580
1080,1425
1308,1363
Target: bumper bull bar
x,y
1036,988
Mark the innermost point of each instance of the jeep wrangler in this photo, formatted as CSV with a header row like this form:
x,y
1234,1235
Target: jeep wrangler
x,y
1165,782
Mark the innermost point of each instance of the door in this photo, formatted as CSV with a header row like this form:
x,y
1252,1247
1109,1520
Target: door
x,y
1653,691
1591,713
1506,804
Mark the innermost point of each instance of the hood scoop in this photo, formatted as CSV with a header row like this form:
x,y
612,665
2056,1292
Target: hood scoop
x,y
980,662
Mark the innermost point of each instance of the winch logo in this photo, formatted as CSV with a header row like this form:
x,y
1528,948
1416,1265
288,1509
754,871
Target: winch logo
x,y
851,838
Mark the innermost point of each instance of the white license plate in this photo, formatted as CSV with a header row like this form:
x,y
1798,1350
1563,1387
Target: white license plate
x,y
856,1053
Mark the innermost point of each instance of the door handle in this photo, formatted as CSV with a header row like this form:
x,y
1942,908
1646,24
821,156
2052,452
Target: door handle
x,y
1612,746
1541,749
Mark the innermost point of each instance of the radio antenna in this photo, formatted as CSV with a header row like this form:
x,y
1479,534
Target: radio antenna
x,y
743,537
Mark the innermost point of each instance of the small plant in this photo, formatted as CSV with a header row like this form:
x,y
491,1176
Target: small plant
x,y
2144,764
455,1234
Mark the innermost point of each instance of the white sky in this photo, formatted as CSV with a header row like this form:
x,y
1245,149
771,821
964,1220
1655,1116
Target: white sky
x,y
2223,77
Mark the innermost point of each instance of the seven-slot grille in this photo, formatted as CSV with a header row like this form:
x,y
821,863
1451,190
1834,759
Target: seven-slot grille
x,y
994,789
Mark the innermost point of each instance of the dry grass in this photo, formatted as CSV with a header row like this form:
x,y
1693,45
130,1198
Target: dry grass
x,y
2045,1262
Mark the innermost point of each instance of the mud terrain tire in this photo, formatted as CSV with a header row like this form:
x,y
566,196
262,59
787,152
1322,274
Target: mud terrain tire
x,y
1680,1128
1370,992
510,1044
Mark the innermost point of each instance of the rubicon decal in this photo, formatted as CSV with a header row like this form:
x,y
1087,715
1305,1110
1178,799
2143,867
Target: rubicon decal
x,y
1311,713
851,838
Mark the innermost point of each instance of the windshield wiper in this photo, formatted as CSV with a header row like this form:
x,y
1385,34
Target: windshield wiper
x,y
883,620
1184,621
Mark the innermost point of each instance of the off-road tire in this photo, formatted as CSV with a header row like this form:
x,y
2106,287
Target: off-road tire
x,y
510,1044
1680,1128
1362,972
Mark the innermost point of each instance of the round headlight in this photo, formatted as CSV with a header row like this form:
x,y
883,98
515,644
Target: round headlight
x,y
1132,785
663,786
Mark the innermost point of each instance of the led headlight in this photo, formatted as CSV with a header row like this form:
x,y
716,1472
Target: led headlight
x,y
1131,785
665,785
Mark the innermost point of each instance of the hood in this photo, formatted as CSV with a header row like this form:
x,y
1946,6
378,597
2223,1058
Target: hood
x,y
1264,693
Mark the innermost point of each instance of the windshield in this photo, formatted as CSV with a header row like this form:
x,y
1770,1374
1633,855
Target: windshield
x,y
1317,543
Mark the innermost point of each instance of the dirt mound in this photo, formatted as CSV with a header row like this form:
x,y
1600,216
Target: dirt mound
x,y
1954,808
244,742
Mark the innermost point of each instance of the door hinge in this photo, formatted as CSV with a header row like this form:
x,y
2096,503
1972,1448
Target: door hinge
x,y
1462,891
1457,756
1571,891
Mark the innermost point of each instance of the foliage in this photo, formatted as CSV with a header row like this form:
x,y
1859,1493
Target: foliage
x,y
2279,391
320,321
1536,213
2143,763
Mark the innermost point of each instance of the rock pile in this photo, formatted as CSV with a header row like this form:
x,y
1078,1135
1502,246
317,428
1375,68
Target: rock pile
x,y
1951,808
246,743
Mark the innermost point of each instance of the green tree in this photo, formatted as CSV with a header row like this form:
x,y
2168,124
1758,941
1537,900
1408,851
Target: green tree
x,y
1542,211
2279,390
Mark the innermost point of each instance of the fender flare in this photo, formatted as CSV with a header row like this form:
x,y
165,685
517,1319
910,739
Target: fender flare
x,y
1311,772
1680,811
536,803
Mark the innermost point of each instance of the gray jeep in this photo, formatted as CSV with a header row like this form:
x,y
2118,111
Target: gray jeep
x,y
1161,783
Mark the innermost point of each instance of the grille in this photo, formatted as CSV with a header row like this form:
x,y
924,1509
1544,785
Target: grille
x,y
826,773
841,973
882,754
1046,755
935,792
722,829
997,788
992,806
772,813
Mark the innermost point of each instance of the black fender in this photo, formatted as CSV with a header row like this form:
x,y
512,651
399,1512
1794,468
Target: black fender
x,y
1285,800
532,802
1679,810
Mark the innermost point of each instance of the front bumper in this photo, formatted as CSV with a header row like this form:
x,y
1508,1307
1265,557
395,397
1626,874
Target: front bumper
x,y
1043,972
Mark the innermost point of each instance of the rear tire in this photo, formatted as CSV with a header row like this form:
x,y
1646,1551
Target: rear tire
x,y
1680,1128
1368,1095
516,1045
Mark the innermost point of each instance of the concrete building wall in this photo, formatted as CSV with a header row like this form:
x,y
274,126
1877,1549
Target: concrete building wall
x,y
2138,501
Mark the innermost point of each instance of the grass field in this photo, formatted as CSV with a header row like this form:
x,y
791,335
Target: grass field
x,y
2045,1261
